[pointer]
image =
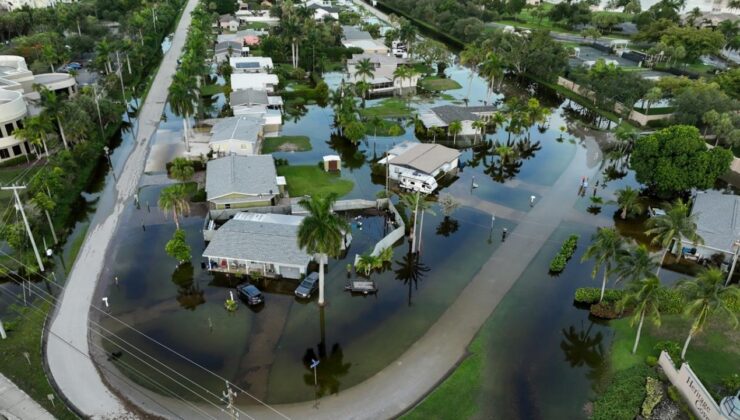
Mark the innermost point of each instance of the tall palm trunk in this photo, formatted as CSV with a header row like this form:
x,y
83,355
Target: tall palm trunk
x,y
660,263
321,279
413,228
177,221
51,226
603,283
61,132
686,344
185,131
43,142
639,330
421,229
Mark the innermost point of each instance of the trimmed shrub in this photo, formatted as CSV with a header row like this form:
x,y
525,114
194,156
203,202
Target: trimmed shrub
x,y
670,301
605,310
732,303
654,391
624,396
592,294
651,361
566,252
671,347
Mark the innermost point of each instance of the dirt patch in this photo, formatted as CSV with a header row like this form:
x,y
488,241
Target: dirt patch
x,y
289,147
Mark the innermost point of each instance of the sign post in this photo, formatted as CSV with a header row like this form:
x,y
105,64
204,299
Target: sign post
x,y
314,365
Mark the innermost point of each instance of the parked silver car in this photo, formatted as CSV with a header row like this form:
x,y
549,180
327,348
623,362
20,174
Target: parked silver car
x,y
308,286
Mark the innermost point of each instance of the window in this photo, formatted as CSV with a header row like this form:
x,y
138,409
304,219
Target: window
x,y
17,150
19,123
4,154
9,128
28,147
227,206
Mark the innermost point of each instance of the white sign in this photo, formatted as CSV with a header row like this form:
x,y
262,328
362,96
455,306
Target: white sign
x,y
691,388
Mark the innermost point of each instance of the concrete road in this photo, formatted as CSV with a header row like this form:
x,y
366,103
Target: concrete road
x,y
16,404
68,348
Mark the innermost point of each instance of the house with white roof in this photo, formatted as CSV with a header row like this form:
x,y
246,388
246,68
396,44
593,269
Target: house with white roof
x,y
239,182
258,104
417,166
717,223
240,135
321,12
251,64
258,81
443,116
258,243
227,49
383,68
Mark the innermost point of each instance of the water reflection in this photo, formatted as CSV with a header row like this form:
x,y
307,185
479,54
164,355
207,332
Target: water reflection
x,y
410,271
447,226
331,365
581,349
351,155
189,294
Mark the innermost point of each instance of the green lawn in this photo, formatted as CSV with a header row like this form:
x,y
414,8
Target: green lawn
x,y
212,89
311,180
384,128
455,398
24,336
711,354
21,174
438,84
75,248
286,144
387,108
257,25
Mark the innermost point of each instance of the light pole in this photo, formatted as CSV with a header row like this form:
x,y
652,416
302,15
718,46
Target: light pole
x,y
110,164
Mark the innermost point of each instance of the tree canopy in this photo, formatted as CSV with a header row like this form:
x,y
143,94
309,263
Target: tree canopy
x,y
676,159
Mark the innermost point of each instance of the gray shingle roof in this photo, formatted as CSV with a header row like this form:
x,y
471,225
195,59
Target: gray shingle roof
x,y
250,175
717,219
243,127
269,238
248,97
424,157
353,34
377,59
450,113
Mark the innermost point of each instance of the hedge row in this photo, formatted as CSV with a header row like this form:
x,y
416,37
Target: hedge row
x,y
566,252
670,301
625,395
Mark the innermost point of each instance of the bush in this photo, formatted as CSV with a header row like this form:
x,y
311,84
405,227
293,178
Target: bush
x,y
566,252
199,196
651,361
605,310
654,391
671,347
731,384
670,301
733,304
592,294
624,396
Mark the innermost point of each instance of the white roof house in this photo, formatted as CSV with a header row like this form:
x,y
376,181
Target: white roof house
x,y
256,242
442,116
368,46
417,165
241,135
258,81
383,68
251,64
258,104
717,223
320,12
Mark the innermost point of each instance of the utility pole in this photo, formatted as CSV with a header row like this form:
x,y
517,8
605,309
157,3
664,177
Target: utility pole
x,y
229,395
97,107
18,203
120,77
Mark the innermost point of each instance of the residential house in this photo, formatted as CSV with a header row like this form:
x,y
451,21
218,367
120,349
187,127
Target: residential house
x,y
258,104
228,23
258,243
353,37
226,49
443,116
417,166
240,135
240,182
11,5
717,223
258,81
384,66
253,16
251,64
321,12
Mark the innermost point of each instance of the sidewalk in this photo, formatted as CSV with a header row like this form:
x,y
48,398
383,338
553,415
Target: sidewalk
x,y
16,404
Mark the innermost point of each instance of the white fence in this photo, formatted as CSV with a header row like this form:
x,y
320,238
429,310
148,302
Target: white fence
x,y
393,236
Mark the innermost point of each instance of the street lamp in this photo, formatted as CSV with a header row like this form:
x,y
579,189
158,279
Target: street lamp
x,y
736,248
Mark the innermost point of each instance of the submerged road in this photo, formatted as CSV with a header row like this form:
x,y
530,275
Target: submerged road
x,y
68,347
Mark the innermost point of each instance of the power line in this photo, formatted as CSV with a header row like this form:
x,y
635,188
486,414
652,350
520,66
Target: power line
x,y
129,351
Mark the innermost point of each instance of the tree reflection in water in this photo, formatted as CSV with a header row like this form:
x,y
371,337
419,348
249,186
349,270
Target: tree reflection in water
x,y
447,226
506,158
582,349
331,366
189,295
351,155
410,271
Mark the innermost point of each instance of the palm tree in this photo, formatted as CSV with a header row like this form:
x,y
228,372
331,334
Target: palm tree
x,y
53,108
674,225
174,198
182,169
629,201
642,295
479,126
653,95
34,131
471,56
321,232
454,128
45,203
492,68
419,204
606,246
403,73
183,94
364,70
707,295
635,264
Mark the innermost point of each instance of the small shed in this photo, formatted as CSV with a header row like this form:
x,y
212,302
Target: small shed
x,y
332,163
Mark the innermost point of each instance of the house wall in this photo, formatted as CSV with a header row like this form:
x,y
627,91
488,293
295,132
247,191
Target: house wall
x,y
241,201
242,148
268,269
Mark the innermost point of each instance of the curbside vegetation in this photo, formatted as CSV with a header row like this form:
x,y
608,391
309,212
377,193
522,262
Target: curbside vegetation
x,y
558,263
